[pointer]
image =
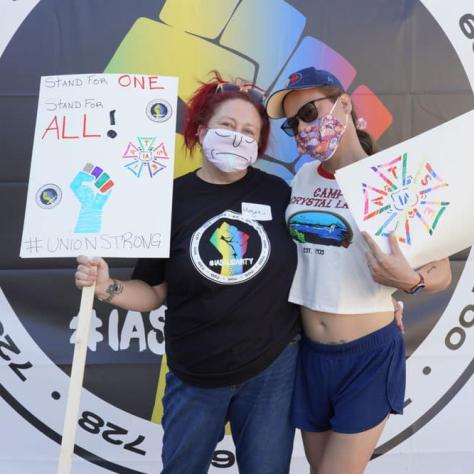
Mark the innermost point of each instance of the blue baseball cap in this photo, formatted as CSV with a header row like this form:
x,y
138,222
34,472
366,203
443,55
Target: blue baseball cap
x,y
306,78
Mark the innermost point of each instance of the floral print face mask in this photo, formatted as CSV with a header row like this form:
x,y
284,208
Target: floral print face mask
x,y
321,139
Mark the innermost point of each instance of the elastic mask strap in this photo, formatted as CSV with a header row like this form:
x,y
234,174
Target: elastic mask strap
x,y
334,106
332,110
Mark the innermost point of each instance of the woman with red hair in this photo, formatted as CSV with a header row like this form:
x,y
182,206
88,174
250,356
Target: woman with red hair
x,y
231,335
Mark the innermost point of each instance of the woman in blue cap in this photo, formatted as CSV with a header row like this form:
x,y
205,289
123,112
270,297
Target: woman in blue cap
x,y
351,372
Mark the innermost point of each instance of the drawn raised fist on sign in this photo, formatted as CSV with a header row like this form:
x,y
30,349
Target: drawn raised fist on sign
x,y
92,187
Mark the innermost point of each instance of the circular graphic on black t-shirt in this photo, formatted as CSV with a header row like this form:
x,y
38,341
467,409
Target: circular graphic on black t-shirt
x,y
229,248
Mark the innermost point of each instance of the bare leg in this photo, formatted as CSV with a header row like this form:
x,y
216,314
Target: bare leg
x,y
349,453
314,447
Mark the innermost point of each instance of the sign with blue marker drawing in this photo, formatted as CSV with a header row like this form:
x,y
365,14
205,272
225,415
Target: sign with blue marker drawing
x,y
102,167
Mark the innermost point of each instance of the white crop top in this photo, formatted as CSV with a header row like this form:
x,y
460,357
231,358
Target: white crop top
x,y
332,273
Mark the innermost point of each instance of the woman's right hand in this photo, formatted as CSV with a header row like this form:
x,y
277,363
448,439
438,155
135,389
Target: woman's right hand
x,y
90,270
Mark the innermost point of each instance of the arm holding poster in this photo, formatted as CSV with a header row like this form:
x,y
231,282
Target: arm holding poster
x,y
133,295
394,269
92,276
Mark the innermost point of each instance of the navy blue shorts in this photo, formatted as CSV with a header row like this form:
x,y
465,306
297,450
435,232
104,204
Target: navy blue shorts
x,y
352,387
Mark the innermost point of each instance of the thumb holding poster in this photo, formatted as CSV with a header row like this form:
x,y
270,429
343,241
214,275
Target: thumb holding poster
x,y
393,269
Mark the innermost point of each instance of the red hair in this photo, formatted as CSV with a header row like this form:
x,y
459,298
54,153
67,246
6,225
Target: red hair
x,y
203,104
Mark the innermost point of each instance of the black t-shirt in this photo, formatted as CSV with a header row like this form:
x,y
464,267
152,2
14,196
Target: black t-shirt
x,y
228,275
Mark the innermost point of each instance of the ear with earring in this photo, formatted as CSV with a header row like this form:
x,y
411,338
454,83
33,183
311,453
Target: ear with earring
x,y
361,123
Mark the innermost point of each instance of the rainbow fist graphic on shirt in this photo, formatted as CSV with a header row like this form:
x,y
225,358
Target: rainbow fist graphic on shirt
x,y
232,245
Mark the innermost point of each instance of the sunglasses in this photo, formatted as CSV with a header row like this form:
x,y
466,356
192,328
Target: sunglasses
x,y
307,113
250,89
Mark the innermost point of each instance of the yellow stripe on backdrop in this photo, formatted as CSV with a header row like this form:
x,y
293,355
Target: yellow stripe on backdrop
x,y
157,414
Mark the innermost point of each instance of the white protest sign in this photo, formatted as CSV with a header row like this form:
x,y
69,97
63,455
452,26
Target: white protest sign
x,y
102,167
421,188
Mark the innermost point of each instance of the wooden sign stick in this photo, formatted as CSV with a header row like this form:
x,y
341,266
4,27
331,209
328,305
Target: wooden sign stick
x,y
76,379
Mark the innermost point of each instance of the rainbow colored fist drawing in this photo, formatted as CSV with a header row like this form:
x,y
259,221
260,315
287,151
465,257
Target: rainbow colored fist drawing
x,y
232,245
92,187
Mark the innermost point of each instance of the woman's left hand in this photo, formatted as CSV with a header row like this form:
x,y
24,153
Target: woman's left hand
x,y
390,270
398,307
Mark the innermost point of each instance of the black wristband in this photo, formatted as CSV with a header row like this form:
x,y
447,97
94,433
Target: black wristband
x,y
418,287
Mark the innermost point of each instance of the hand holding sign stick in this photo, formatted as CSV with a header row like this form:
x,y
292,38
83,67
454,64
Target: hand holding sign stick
x,y
89,273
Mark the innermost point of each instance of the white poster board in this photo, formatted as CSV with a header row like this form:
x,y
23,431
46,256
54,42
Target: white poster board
x,y
421,188
102,167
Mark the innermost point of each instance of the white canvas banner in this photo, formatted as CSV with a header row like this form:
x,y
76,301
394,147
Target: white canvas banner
x,y
421,189
102,167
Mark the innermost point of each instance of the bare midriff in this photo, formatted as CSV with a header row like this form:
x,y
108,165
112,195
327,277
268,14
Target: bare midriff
x,y
331,328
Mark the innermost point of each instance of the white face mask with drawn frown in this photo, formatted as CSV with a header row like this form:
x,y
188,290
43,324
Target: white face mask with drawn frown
x,y
228,150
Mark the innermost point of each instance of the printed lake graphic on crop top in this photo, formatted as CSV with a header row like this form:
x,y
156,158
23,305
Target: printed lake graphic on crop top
x,y
332,273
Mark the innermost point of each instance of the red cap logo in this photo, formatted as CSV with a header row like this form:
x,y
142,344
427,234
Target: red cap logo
x,y
294,78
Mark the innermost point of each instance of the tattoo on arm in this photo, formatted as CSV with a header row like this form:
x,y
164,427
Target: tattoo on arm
x,y
433,267
115,288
